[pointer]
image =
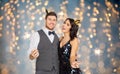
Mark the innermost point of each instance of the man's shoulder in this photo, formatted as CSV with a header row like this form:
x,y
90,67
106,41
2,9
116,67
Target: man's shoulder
x,y
34,33
39,30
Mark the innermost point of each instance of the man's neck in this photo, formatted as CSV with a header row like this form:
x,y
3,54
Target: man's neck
x,y
48,29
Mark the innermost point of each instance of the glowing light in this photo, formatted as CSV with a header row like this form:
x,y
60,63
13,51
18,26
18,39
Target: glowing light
x,y
77,9
91,46
17,22
89,7
46,3
1,18
38,3
88,14
109,39
109,14
17,38
116,5
18,62
95,10
95,3
33,17
93,19
111,44
91,36
26,36
114,70
97,51
100,19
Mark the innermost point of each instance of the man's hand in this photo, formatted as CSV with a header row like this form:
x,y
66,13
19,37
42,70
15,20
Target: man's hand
x,y
34,54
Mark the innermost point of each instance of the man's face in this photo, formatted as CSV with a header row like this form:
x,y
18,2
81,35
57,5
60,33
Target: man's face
x,y
51,22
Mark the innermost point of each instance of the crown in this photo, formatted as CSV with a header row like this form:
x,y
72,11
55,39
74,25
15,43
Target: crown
x,y
46,11
77,22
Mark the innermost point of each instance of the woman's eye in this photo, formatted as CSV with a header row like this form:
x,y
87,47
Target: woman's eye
x,y
67,24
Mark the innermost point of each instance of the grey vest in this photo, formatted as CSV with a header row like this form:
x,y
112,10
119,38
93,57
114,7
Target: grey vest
x,y
48,53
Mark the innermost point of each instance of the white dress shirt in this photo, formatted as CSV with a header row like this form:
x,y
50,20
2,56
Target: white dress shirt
x,y
35,38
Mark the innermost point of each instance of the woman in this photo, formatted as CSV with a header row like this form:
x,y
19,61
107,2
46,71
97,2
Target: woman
x,y
68,47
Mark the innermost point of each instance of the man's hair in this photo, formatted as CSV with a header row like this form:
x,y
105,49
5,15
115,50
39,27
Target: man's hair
x,y
51,14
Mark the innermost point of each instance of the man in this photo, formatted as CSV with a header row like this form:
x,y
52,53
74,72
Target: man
x,y
43,46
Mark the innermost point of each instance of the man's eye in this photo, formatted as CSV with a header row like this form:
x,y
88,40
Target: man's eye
x,y
54,20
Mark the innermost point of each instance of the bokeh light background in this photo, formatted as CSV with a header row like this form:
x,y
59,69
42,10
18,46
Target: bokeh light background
x,y
99,32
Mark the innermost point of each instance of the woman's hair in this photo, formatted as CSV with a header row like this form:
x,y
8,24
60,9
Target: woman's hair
x,y
74,27
50,14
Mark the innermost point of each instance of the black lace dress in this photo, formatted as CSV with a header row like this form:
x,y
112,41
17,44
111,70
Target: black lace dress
x,y
64,58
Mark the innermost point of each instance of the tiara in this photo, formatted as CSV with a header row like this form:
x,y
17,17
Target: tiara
x,y
77,22
46,11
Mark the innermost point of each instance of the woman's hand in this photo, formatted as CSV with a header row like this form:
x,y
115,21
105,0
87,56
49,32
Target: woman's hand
x,y
75,64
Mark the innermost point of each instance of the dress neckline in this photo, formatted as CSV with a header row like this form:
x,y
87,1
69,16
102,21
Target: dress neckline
x,y
64,44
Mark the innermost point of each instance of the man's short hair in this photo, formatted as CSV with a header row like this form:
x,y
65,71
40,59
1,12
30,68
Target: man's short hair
x,y
51,14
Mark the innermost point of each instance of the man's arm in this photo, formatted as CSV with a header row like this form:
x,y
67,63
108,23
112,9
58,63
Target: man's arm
x,y
34,54
34,40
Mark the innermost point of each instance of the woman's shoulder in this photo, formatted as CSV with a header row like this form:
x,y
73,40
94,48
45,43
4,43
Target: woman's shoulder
x,y
75,40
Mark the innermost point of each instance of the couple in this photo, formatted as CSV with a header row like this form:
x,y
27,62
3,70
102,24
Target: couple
x,y
55,55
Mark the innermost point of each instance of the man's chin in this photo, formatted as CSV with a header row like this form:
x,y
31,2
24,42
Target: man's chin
x,y
50,28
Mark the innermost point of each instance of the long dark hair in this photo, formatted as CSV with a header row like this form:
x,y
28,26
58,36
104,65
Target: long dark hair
x,y
74,28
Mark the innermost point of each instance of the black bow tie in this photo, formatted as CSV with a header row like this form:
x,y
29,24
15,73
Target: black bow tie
x,y
51,32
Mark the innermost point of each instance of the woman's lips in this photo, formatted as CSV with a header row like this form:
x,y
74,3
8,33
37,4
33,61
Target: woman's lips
x,y
63,28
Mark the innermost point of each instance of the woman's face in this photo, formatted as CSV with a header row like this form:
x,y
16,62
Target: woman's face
x,y
66,27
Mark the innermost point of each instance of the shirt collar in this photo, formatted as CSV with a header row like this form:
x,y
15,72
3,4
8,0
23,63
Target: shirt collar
x,y
46,30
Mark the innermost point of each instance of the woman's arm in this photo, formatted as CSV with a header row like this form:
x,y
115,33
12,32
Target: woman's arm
x,y
74,49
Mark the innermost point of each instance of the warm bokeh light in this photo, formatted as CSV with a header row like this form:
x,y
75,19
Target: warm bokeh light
x,y
99,33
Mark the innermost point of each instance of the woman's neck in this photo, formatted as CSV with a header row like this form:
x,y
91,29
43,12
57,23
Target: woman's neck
x,y
66,36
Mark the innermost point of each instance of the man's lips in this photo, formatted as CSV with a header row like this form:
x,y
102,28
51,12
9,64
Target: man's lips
x,y
51,24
